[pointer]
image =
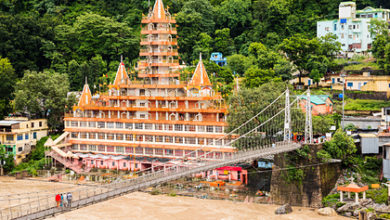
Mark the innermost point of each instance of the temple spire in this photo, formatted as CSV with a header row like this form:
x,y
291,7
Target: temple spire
x,y
158,9
200,77
86,95
121,75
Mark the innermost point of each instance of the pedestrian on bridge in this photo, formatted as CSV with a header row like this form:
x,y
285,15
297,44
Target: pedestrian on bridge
x,y
65,200
58,199
69,198
62,200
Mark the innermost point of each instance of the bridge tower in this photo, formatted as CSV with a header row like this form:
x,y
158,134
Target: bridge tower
x,y
308,121
287,118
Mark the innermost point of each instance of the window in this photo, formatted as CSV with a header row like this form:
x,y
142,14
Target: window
x,y
168,152
35,135
92,124
110,124
350,27
190,140
83,147
168,139
119,125
40,124
148,138
178,127
20,149
139,150
119,137
158,151
210,141
178,140
148,126
159,127
91,135
190,128
102,148
129,137
168,127
74,123
20,137
83,124
92,147
113,163
75,147
210,128
201,128
139,126
327,28
335,27
110,149
159,139
110,136
124,164
101,136
342,36
101,124
83,135
101,163
218,129
129,125
119,149
149,151
26,136
142,104
128,150
350,84
142,116
32,124
74,135
91,161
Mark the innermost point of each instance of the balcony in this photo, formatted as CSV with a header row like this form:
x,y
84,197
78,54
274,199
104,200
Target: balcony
x,y
146,41
147,19
146,52
163,62
146,30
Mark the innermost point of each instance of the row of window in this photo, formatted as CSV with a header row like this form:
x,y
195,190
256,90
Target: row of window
x,y
149,138
19,137
145,151
146,126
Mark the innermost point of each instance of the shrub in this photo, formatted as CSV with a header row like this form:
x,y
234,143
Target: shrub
x,y
331,199
155,192
378,195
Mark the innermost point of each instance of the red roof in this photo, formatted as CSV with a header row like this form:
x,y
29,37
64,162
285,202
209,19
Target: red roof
x,y
230,168
200,77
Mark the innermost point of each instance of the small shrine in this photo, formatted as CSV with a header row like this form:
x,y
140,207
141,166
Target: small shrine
x,y
352,187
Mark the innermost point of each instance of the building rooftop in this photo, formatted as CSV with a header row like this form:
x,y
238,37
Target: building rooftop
x,y
8,123
317,99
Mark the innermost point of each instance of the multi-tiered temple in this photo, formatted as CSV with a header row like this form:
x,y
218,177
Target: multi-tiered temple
x,y
151,120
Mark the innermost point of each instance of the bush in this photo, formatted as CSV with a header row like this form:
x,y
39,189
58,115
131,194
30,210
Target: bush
x,y
378,195
155,192
173,194
330,200
384,216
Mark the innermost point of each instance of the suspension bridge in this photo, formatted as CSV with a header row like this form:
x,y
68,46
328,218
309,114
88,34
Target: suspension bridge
x,y
267,133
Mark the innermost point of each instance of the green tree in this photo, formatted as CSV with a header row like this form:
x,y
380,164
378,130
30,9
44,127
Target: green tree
x,y
322,124
6,160
255,77
234,14
195,17
238,63
223,42
204,46
341,147
7,79
43,95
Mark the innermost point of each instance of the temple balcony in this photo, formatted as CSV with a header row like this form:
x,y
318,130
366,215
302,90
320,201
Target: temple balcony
x,y
146,52
146,41
146,20
161,31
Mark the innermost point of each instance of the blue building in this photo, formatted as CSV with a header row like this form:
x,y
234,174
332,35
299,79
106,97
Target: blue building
x,y
218,58
353,26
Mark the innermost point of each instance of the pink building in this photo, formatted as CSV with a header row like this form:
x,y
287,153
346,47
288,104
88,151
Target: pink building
x,y
228,173
320,104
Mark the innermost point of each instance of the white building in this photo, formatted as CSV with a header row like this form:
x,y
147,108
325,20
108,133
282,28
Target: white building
x,y
352,28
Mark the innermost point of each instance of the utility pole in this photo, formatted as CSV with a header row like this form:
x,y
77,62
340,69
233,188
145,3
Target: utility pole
x,y
342,119
287,118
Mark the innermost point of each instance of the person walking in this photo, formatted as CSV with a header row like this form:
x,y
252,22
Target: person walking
x,y
62,200
58,199
65,200
69,197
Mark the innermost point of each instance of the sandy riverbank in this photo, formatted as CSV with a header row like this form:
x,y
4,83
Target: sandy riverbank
x,y
140,205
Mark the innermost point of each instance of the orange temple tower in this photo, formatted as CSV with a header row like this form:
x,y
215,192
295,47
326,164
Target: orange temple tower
x,y
149,122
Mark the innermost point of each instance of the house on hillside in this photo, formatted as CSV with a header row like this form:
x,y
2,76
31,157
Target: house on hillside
x,y
19,134
320,104
218,58
364,82
352,27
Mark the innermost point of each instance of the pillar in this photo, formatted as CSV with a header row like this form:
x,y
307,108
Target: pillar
x,y
341,196
349,195
356,197
364,195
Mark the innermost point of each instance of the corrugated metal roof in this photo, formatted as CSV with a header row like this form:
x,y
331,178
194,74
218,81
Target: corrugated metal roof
x,y
369,135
